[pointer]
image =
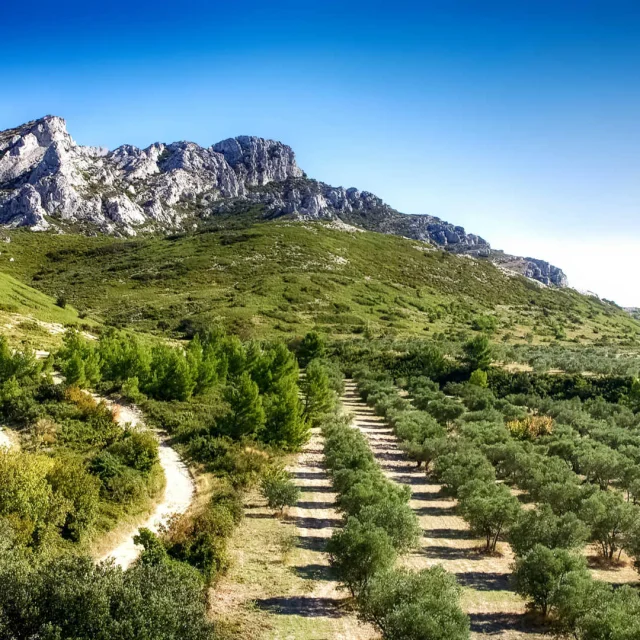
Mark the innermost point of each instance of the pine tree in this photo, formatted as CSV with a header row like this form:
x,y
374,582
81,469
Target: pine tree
x,y
73,370
285,424
312,346
319,398
246,417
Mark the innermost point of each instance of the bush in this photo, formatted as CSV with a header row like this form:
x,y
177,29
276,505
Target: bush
x,y
531,427
319,397
461,464
414,605
279,490
542,526
72,597
136,449
397,519
370,488
312,346
489,508
357,552
479,378
478,353
541,573
611,518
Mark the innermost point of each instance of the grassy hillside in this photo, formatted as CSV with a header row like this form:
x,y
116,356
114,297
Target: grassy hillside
x,y
27,314
282,277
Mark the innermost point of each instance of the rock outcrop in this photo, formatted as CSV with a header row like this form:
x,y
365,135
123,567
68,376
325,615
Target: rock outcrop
x,y
47,181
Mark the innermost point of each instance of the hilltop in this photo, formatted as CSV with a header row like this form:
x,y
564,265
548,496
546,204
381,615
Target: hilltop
x,y
49,182
281,278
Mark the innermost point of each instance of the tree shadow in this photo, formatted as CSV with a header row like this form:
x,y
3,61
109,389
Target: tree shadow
x,y
498,623
314,523
314,572
434,511
307,488
482,581
314,464
409,478
304,606
308,475
391,455
451,534
314,504
448,553
312,543
429,496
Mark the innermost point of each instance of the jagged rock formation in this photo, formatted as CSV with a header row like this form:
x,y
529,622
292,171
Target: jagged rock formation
x,y
47,181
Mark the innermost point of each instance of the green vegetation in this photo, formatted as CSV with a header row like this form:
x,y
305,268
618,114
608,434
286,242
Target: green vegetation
x,y
562,442
71,597
542,572
378,526
511,389
278,278
231,407
412,605
78,471
279,490
32,318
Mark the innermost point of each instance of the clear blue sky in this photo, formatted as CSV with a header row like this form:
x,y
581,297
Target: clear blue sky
x,y
519,120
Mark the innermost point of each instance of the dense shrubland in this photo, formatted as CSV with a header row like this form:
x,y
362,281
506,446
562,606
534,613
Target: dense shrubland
x,y
231,408
572,359
281,279
573,454
77,471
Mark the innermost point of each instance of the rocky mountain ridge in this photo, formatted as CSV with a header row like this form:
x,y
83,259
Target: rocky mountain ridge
x,y
47,181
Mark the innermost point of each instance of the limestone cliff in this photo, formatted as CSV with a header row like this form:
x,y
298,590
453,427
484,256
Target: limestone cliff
x,y
47,181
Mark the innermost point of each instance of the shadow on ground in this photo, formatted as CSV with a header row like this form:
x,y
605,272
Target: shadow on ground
x,y
314,572
307,607
482,581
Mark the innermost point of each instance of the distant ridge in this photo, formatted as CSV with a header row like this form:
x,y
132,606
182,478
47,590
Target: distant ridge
x,y
47,181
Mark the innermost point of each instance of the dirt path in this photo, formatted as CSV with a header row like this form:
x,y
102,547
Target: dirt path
x,y
178,494
5,440
493,607
280,585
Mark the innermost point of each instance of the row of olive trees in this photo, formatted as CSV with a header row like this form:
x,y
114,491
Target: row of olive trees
x,y
548,571
378,525
464,471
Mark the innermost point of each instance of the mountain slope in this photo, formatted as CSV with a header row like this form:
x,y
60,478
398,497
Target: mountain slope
x,y
281,278
47,181
27,314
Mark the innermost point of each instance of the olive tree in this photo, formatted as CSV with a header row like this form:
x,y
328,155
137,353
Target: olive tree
x,y
414,605
489,508
543,526
358,551
611,518
539,574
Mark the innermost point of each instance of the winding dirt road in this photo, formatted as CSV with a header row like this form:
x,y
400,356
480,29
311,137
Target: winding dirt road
x,y
178,493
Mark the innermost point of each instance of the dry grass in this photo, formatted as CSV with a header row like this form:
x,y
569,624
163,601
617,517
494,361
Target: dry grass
x,y
280,585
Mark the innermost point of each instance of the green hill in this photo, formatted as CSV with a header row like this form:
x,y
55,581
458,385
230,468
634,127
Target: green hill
x,y
286,277
29,314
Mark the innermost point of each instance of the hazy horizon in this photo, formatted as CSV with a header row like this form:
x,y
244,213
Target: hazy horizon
x,y
517,122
